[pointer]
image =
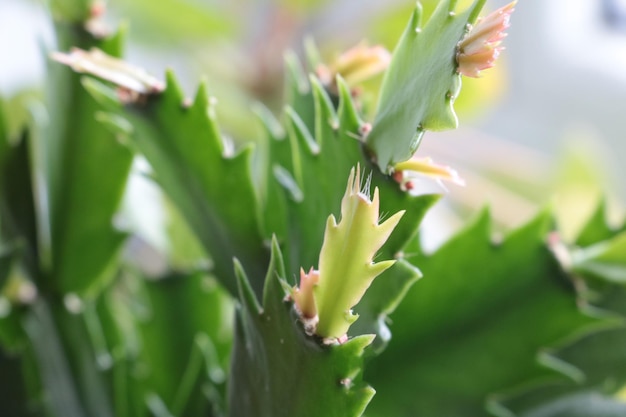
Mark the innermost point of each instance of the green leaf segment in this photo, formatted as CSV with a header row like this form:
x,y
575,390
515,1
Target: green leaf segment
x,y
481,325
278,371
346,267
421,83
598,358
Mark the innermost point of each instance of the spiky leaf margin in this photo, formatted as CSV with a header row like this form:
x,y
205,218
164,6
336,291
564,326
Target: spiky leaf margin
x,y
478,325
308,186
278,371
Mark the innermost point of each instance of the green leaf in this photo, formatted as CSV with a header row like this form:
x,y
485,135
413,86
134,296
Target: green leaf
x,y
17,206
606,260
71,11
279,371
583,404
600,359
6,262
12,335
298,92
476,323
346,265
85,170
153,24
420,84
62,393
602,369
213,191
380,300
312,168
16,399
195,309
597,228
169,338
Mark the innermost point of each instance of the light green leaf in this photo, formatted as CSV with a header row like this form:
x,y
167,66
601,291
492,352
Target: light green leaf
x,y
421,83
346,265
606,259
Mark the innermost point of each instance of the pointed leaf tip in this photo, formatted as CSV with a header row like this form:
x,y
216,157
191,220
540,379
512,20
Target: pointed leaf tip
x,y
324,110
172,86
275,276
202,100
300,133
416,18
246,293
347,113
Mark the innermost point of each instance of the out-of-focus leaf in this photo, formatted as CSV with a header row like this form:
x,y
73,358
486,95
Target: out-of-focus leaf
x,y
199,312
167,21
213,191
62,393
421,83
596,229
585,404
170,341
278,371
476,324
184,249
17,401
16,115
71,11
17,206
12,336
6,261
86,170
605,260
599,357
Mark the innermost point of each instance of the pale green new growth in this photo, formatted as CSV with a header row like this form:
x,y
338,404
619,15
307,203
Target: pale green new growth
x,y
346,266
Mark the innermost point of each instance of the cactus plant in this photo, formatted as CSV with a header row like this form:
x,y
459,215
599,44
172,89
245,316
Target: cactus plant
x,y
509,328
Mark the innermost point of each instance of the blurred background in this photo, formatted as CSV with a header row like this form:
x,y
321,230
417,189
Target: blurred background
x,y
546,126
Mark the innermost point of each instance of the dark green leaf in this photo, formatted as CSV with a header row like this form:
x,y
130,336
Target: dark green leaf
x,y
598,357
86,170
475,324
18,224
213,192
195,309
279,371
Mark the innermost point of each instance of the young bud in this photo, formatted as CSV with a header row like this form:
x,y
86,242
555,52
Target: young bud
x,y
405,172
357,64
480,48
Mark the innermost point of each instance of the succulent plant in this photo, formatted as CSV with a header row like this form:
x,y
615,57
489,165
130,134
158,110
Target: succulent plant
x,y
518,327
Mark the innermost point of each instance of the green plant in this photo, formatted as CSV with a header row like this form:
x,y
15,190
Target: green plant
x,y
529,326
